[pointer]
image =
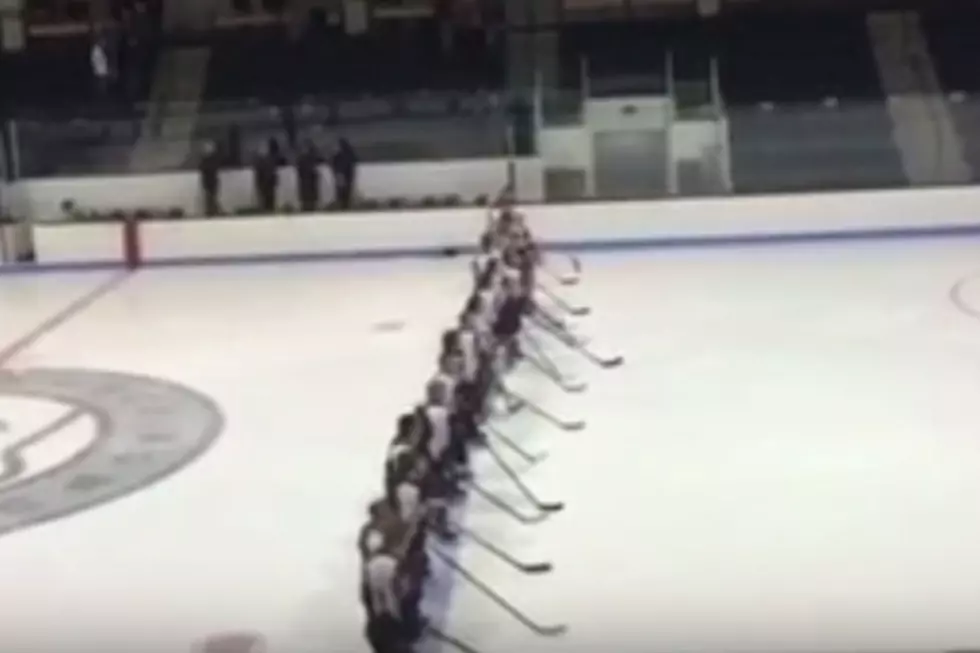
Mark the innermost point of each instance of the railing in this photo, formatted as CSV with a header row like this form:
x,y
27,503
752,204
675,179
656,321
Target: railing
x,y
561,101
384,128
809,143
720,158
669,163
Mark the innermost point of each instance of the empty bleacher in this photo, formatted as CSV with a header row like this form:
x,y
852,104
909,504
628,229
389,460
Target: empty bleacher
x,y
393,93
61,125
953,42
806,111
622,58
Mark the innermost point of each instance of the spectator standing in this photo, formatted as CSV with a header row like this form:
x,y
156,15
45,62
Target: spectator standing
x,y
210,169
233,147
101,70
308,177
266,174
141,32
343,164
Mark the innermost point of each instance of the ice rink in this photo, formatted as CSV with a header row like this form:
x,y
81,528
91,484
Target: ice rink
x,y
788,461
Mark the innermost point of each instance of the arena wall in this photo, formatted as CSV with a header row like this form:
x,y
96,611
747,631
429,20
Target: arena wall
x,y
625,225
41,199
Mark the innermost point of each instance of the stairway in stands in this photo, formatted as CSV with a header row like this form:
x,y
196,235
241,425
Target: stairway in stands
x,y
923,127
168,128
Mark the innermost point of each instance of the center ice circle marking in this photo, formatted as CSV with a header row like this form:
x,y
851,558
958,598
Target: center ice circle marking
x,y
45,447
959,295
145,429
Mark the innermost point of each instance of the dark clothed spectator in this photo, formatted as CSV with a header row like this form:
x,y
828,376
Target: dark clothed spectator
x,y
233,147
210,168
308,177
266,175
343,164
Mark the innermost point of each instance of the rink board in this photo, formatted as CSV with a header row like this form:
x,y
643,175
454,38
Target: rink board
x,y
944,212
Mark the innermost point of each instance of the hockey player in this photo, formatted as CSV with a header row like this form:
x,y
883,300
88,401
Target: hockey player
x,y
470,390
380,579
471,358
385,629
441,482
374,533
508,322
436,414
488,256
402,452
479,318
411,509
450,369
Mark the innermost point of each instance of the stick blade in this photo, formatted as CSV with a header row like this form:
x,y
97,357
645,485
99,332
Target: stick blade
x,y
579,311
610,363
569,281
556,506
557,630
574,388
503,506
532,519
537,568
455,642
573,426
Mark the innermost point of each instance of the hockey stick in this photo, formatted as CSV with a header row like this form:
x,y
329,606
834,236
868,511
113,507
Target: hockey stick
x,y
571,425
512,404
575,344
607,363
562,304
455,642
490,547
503,506
565,280
507,606
555,377
532,459
544,506
548,322
548,368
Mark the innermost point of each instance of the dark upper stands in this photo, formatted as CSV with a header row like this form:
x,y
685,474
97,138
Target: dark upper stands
x,y
826,124
954,42
805,107
61,126
49,93
623,58
394,93
617,58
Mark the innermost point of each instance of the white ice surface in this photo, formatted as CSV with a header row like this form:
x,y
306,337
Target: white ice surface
x,y
789,461
28,300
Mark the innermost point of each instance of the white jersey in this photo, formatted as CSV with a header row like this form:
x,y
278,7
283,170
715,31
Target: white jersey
x,y
373,541
381,576
482,263
408,496
512,276
480,330
438,418
396,450
448,385
471,355
490,302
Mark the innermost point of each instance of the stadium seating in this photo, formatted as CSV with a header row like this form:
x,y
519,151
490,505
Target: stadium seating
x,y
953,42
806,110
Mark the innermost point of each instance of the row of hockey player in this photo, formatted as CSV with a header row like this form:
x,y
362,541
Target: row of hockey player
x,y
427,463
